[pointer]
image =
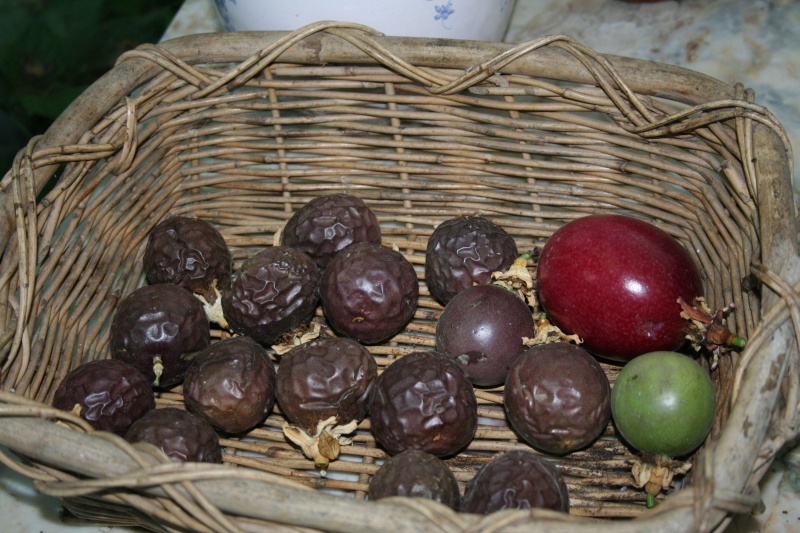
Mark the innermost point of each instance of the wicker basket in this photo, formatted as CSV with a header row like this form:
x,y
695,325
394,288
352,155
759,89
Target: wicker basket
x,y
241,129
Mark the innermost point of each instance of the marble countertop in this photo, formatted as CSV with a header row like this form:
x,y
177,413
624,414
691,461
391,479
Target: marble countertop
x,y
749,41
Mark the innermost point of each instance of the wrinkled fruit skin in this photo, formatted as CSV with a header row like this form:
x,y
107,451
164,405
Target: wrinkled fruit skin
x,y
273,291
231,384
180,434
111,394
663,403
463,252
615,282
423,401
164,321
325,377
482,328
557,397
328,224
188,252
369,292
516,480
416,474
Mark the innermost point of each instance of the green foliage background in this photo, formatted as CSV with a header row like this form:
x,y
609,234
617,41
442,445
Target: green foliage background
x,y
51,50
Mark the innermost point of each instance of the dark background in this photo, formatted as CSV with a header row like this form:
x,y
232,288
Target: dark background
x,y
51,50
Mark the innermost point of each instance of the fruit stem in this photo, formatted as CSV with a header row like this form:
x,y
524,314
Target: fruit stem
x,y
651,500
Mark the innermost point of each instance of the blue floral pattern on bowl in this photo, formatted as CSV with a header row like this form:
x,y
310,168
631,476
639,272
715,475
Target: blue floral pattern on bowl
x,y
443,12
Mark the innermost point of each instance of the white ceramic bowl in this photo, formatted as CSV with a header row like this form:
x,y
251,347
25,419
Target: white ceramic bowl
x,y
481,20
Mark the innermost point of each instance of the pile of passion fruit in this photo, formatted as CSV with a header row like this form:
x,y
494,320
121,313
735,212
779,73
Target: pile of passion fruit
x,y
611,288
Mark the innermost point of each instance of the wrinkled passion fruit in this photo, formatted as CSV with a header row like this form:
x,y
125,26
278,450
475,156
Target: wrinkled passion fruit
x,y
231,384
517,479
157,328
465,251
188,252
482,329
423,401
323,388
109,394
557,397
416,474
274,291
180,434
328,224
369,292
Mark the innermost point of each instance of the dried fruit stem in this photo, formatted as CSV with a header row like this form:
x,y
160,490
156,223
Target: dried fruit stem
x,y
518,280
324,446
708,330
657,475
546,333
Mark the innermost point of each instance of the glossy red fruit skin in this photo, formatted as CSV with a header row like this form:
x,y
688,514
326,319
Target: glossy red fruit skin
x,y
615,282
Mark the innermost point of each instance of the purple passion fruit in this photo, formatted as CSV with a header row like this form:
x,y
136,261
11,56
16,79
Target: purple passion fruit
x,y
231,384
274,291
109,394
482,329
157,328
188,252
463,252
328,224
416,474
369,292
424,401
180,434
557,397
516,480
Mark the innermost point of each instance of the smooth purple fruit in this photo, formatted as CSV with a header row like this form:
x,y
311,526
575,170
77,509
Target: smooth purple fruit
x,y
615,281
482,329
557,397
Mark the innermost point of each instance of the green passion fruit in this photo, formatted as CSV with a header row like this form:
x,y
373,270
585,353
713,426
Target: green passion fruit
x,y
663,403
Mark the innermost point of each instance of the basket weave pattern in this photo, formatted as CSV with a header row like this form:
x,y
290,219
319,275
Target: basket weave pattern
x,y
422,131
